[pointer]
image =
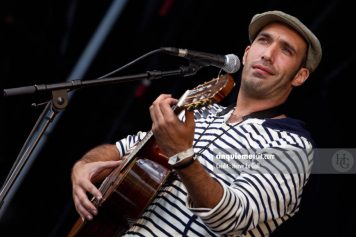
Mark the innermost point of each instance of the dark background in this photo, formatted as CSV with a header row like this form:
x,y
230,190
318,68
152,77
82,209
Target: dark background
x,y
41,42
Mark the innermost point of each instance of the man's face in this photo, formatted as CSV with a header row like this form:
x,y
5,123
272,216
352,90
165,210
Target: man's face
x,y
273,62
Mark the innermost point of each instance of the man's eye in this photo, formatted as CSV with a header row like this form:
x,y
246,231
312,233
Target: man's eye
x,y
287,51
262,40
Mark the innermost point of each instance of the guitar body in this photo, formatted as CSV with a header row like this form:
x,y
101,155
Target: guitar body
x,y
130,188
126,194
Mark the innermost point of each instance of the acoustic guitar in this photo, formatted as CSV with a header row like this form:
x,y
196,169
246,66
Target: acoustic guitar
x,y
131,187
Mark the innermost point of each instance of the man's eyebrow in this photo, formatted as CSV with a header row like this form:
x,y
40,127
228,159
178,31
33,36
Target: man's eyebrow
x,y
284,43
264,34
289,46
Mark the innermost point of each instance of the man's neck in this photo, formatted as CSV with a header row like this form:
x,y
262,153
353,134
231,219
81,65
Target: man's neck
x,y
246,106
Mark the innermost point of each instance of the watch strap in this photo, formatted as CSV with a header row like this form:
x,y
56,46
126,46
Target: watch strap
x,y
181,156
184,164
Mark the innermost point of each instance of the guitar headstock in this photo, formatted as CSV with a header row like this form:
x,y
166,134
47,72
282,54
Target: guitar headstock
x,y
207,93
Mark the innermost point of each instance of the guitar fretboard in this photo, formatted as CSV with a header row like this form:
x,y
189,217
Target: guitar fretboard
x,y
137,148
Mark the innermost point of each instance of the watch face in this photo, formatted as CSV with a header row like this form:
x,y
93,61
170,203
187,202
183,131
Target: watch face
x,y
173,160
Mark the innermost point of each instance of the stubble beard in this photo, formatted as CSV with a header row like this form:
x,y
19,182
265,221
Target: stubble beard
x,y
253,87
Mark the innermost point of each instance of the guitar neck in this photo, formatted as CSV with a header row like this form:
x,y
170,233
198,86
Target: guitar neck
x,y
138,148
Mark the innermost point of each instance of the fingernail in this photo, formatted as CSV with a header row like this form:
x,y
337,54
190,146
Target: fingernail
x,y
82,218
89,217
94,211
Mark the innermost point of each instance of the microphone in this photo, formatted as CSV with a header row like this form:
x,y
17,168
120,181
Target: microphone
x,y
230,63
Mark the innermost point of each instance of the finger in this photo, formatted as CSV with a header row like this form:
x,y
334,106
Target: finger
x,y
84,206
166,107
156,104
84,200
171,101
162,97
156,115
83,212
162,109
92,189
99,166
158,100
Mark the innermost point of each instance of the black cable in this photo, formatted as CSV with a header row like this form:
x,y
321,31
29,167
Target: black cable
x,y
131,63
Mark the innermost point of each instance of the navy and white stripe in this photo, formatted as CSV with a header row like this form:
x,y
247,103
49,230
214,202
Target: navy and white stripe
x,y
255,200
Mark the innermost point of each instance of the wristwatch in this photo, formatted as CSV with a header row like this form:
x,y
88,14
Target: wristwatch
x,y
182,159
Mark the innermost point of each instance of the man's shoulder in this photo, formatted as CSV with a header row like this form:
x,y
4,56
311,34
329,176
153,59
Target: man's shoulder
x,y
290,125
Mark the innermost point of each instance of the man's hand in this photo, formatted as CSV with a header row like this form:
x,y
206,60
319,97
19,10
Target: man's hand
x,y
82,175
171,134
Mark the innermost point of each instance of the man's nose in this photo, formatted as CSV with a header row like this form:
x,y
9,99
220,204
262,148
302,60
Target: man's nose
x,y
269,53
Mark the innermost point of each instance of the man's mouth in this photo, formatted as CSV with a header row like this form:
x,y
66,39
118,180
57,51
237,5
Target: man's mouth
x,y
263,69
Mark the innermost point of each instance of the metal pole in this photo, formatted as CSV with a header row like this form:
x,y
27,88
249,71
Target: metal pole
x,y
79,71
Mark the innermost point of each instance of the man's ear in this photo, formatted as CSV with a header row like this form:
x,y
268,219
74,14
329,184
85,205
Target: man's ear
x,y
245,54
300,77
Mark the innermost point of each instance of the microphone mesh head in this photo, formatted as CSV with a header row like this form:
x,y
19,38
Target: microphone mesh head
x,y
232,63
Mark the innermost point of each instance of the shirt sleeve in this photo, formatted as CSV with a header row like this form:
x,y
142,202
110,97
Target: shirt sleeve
x,y
126,144
270,192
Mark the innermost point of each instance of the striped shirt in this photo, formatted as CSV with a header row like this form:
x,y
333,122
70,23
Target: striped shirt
x,y
262,165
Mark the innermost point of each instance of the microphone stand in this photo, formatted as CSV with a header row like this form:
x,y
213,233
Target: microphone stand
x,y
58,103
